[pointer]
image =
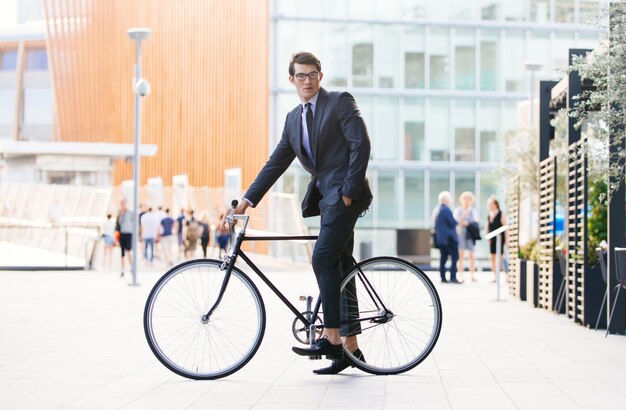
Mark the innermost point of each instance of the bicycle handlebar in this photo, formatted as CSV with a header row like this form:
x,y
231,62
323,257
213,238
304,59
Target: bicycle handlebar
x,y
232,218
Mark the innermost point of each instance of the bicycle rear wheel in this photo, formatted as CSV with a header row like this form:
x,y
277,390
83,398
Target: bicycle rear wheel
x,y
211,349
399,312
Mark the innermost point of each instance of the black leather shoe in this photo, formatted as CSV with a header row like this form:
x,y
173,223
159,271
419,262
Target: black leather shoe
x,y
340,365
321,347
456,281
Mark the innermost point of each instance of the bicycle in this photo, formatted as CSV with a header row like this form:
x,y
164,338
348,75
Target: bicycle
x,y
205,319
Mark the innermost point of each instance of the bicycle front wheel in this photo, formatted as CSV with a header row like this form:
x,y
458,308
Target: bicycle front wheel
x,y
396,312
207,349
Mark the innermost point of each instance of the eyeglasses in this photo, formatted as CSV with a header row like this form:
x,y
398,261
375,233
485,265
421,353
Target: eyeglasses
x,y
313,75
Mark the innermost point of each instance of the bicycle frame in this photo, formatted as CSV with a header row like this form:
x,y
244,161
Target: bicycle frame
x,y
231,258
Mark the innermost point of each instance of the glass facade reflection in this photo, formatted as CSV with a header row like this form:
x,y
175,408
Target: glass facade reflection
x,y
438,85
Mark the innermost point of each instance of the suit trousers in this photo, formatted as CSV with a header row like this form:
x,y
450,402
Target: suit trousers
x,y
330,262
451,249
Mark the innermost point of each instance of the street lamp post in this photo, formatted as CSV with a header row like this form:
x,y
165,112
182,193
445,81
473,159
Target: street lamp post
x,y
532,66
141,88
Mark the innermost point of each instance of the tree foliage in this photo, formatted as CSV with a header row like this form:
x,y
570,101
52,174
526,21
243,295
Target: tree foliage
x,y
601,108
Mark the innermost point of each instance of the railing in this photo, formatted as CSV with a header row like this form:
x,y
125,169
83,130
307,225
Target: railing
x,y
497,234
59,218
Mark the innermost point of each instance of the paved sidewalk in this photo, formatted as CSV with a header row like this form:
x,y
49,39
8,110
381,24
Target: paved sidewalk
x,y
74,340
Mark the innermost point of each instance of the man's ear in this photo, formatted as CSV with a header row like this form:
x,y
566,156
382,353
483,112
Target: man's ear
x,y
321,76
292,80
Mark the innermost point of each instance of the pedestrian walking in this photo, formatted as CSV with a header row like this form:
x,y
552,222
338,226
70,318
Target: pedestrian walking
x,y
467,228
446,238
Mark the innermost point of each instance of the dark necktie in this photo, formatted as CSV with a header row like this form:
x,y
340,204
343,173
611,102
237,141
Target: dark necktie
x,y
306,139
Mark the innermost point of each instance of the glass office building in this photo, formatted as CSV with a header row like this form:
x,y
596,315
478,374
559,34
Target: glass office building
x,y
438,84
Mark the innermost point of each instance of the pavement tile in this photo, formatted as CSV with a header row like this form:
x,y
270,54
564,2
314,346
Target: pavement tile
x,y
89,351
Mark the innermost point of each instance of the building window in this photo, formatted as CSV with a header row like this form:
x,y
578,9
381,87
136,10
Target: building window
x,y
488,146
440,59
489,119
440,10
464,10
366,106
38,104
564,11
8,60
540,51
7,110
386,56
513,58
414,59
463,181
489,58
336,69
414,70
36,60
439,182
465,60
510,113
488,187
439,130
414,138
414,201
489,10
513,10
387,209
464,131
540,11
585,40
385,138
363,65
588,11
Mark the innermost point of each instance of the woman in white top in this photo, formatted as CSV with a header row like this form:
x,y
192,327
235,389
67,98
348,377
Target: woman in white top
x,y
466,214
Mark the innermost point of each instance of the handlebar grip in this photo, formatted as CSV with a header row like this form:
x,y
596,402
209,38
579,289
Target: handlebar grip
x,y
234,203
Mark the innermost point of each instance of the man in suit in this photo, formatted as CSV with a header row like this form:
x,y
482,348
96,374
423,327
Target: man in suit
x,y
446,238
328,136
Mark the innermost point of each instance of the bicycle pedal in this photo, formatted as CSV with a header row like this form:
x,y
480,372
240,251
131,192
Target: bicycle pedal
x,y
316,357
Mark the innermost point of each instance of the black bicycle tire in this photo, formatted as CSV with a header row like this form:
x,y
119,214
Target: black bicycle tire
x,y
246,281
437,306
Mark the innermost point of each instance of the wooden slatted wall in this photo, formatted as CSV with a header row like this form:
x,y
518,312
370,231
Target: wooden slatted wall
x,y
513,274
548,286
207,62
576,232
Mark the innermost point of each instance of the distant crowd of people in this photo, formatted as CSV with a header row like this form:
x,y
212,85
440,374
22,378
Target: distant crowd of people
x,y
455,234
160,234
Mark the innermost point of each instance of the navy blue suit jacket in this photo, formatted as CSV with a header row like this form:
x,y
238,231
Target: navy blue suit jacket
x,y
340,146
445,227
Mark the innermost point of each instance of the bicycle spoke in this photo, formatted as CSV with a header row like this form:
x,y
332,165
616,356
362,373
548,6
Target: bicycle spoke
x,y
221,345
399,337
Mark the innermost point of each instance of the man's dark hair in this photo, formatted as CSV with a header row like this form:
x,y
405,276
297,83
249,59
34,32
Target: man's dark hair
x,y
303,57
